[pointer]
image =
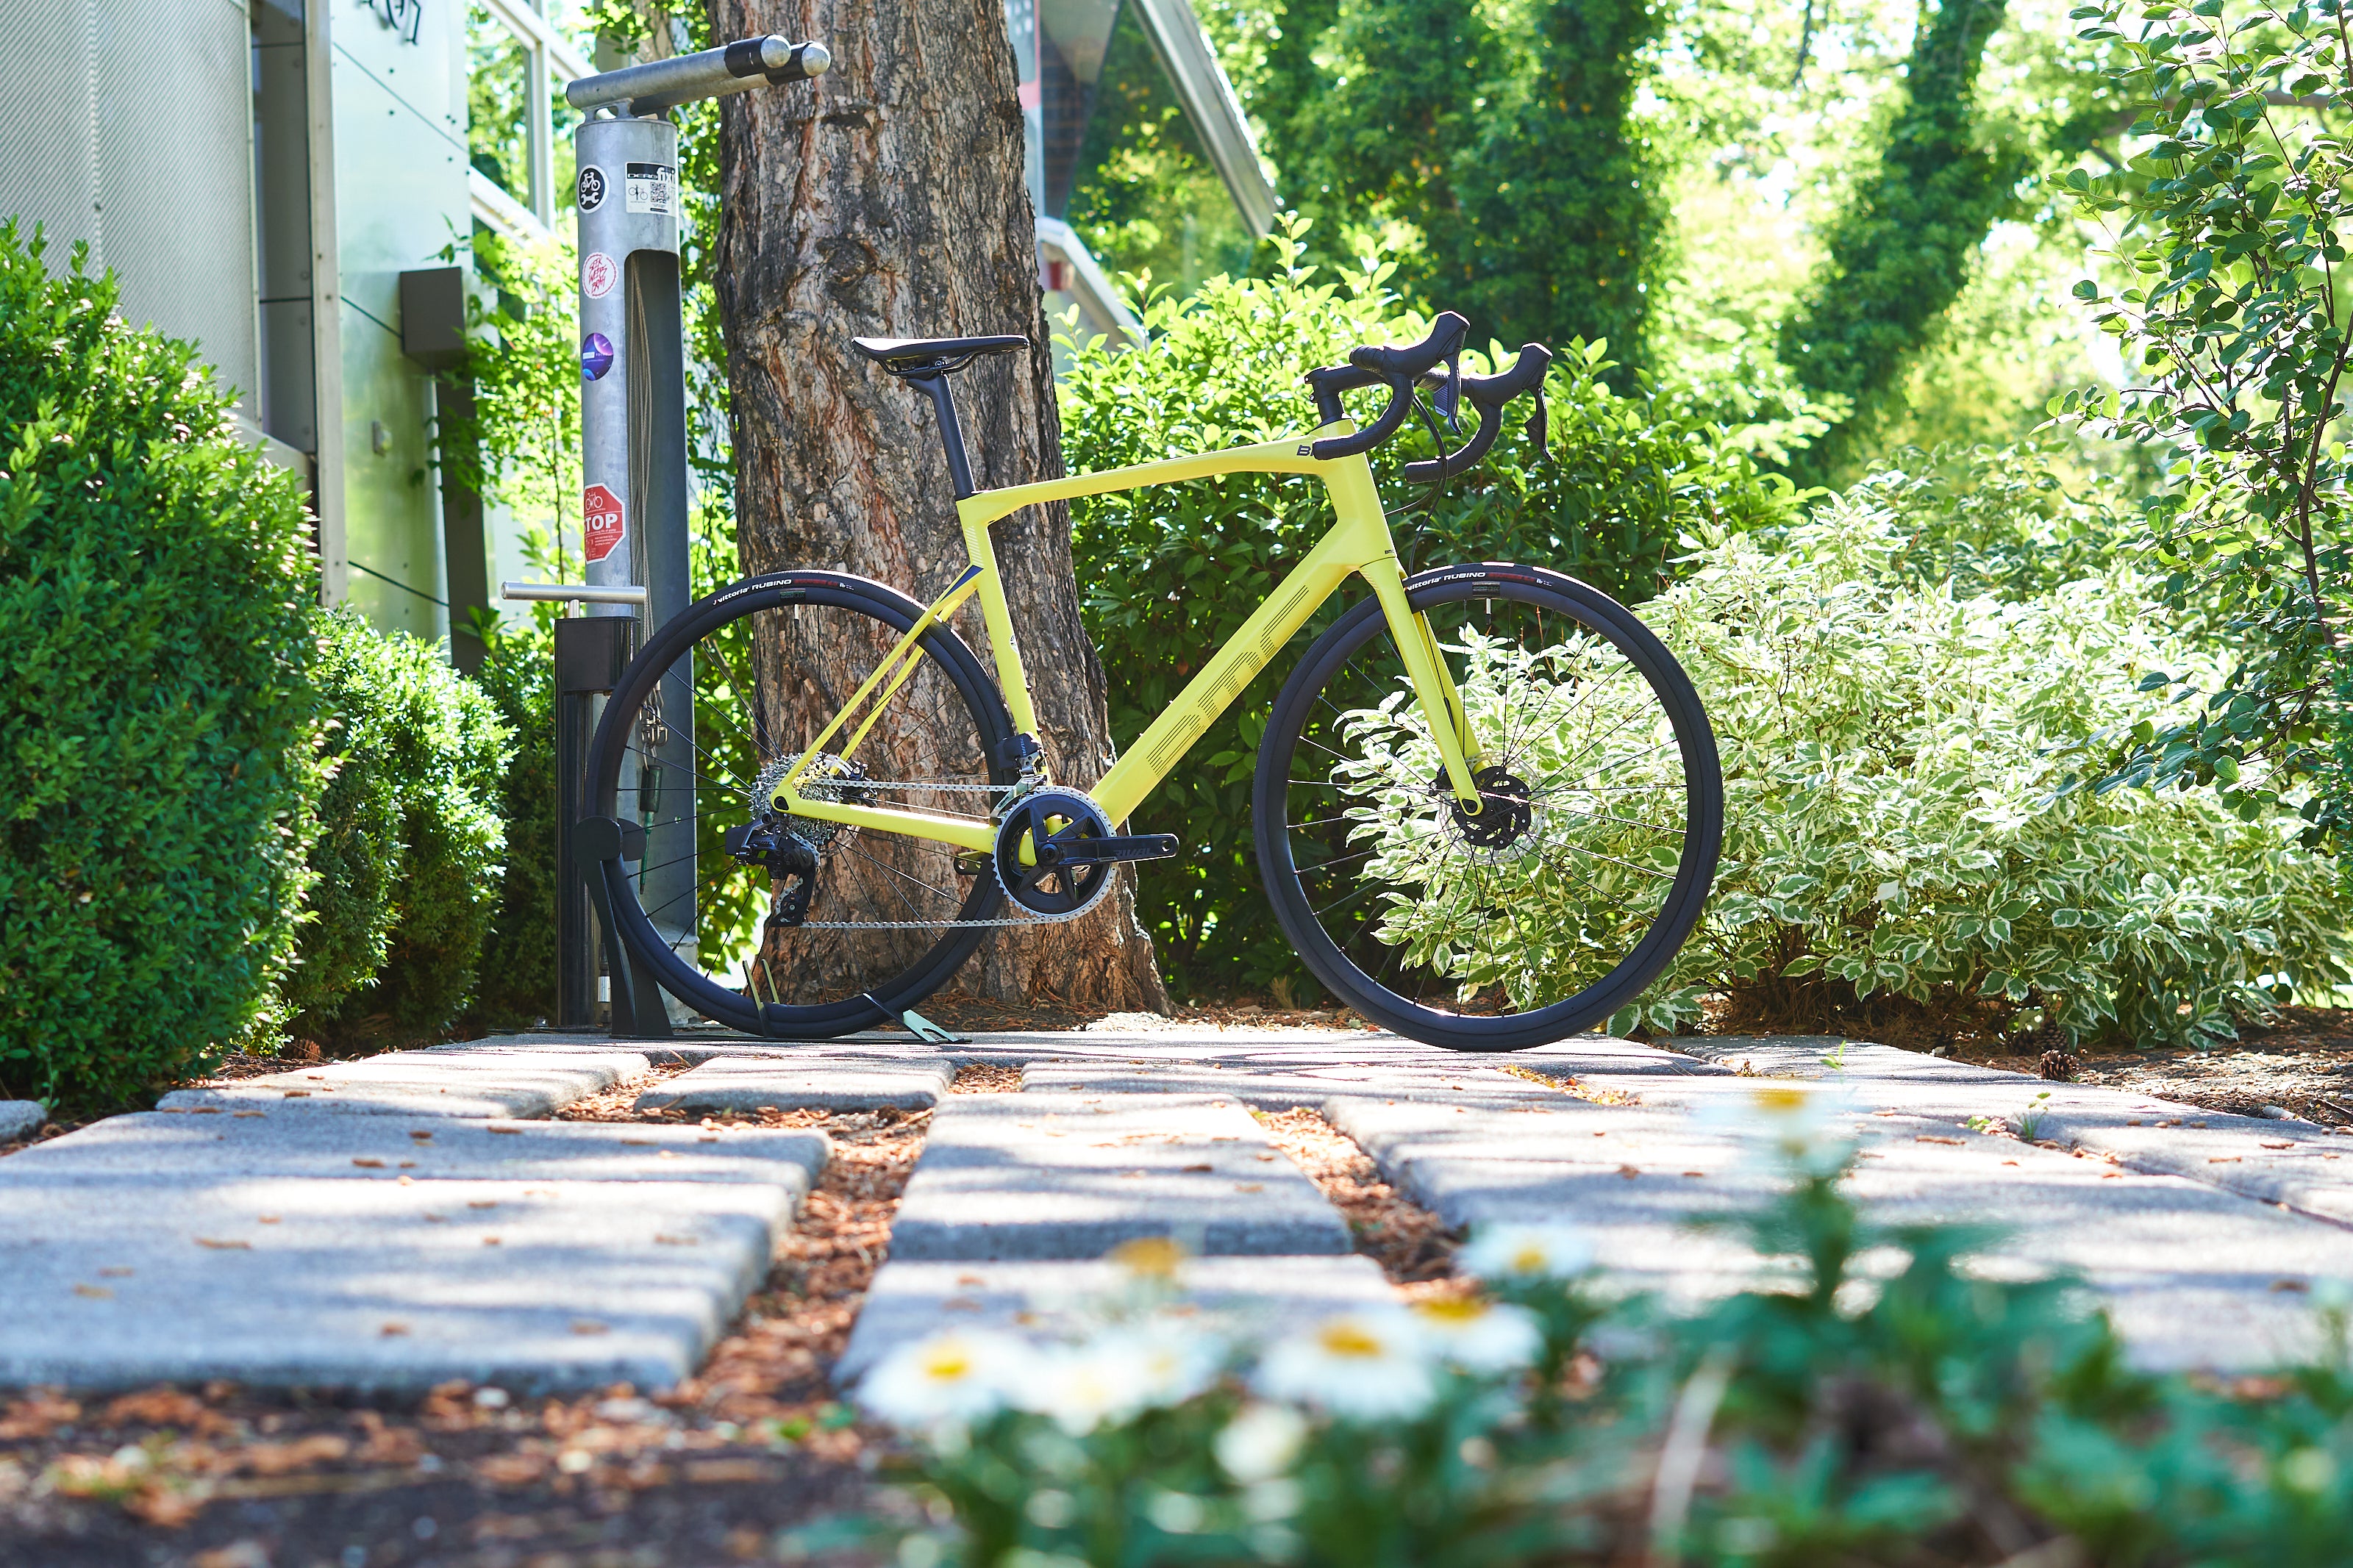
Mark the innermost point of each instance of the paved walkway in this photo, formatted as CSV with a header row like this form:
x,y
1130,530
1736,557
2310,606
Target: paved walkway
x,y
412,1219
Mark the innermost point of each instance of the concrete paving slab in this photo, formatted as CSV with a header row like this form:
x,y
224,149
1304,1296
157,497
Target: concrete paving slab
x,y
1071,1177
2297,1163
2192,1275
834,1081
1276,1088
208,1146
1061,1300
21,1119
290,1281
479,1082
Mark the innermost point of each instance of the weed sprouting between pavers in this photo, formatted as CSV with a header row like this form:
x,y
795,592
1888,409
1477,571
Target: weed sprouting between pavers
x,y
1911,1413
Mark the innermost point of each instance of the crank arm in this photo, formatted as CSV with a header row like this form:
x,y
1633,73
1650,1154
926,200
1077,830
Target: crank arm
x,y
1135,847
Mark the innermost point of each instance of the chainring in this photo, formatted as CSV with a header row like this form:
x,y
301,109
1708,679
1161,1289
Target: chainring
x,y
1049,816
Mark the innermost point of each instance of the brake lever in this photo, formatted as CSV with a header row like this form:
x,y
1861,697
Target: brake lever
x,y
1536,426
1448,399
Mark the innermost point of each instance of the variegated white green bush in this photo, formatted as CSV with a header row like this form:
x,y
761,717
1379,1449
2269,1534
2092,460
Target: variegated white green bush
x,y
1903,817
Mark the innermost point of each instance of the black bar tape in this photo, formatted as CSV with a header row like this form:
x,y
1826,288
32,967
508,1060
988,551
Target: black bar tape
x,y
742,58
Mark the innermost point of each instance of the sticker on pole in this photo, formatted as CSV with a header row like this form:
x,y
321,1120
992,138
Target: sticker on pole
x,y
600,521
591,188
598,274
596,356
652,188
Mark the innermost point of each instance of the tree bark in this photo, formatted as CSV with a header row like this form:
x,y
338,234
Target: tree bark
x,y
887,199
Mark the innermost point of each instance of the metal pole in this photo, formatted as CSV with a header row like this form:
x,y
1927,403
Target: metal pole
x,y
635,499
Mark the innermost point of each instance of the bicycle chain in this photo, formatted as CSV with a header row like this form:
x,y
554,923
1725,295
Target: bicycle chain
x,y
1029,919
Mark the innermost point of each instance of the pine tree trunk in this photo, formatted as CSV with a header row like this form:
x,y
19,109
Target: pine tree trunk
x,y
887,200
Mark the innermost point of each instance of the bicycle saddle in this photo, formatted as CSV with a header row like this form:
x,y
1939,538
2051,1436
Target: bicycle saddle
x,y
933,356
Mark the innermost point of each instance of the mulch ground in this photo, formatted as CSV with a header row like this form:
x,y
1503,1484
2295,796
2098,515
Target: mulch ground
x,y
1414,1248
717,1471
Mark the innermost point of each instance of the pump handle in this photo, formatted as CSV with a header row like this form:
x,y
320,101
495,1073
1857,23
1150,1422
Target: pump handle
x,y
657,85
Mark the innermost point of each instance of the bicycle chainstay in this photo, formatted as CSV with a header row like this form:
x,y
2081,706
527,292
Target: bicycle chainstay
x,y
1025,919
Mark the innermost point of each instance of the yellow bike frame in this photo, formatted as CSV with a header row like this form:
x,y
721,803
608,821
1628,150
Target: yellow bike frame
x,y
1358,544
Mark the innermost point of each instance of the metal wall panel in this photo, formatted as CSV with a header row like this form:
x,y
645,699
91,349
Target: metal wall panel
x,y
156,177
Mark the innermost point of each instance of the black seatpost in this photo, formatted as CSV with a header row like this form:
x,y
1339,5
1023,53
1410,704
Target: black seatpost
x,y
934,385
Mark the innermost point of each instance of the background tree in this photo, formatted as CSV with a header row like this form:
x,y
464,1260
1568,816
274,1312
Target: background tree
x,y
887,199
1900,253
1507,141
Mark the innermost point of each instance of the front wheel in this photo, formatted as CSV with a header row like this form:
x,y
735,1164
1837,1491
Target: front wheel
x,y
1576,882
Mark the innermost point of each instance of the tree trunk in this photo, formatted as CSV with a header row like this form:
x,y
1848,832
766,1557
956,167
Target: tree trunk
x,y
887,200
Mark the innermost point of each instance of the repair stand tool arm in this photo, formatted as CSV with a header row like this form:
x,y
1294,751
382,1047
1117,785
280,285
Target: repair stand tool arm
x,y
657,85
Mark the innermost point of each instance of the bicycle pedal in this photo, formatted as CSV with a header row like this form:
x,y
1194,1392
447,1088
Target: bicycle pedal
x,y
1132,847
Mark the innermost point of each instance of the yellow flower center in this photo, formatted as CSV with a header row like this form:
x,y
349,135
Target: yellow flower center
x,y
1781,1102
1348,1339
948,1366
1151,1256
1528,1259
1461,1309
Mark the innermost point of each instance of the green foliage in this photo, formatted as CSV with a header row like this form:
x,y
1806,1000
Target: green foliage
x,y
155,699
2007,521
518,968
2229,230
520,446
408,859
1146,198
1900,253
1170,571
1504,139
1900,761
1921,1414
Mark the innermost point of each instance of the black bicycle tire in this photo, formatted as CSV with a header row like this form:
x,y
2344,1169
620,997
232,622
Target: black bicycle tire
x,y
1679,913
839,589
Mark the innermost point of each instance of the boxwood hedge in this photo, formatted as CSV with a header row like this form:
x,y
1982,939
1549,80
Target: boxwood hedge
x,y
156,703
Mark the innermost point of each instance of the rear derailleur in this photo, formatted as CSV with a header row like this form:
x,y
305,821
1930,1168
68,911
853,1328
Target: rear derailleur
x,y
791,861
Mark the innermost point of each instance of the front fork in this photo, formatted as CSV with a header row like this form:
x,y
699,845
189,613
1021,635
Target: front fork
x,y
1433,683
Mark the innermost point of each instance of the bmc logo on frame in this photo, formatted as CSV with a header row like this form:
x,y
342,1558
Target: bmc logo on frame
x,y
600,521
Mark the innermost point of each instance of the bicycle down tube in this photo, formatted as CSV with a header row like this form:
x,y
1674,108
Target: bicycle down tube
x,y
1358,544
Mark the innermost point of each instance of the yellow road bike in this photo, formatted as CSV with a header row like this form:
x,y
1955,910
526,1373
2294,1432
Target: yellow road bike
x,y
1487,807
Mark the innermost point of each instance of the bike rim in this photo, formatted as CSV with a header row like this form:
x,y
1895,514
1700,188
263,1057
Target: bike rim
x,y
1494,933
888,918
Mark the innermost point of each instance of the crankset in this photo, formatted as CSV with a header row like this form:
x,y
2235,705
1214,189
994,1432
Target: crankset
x,y
1072,849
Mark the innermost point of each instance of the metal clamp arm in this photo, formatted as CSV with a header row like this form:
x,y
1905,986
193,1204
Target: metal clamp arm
x,y
657,85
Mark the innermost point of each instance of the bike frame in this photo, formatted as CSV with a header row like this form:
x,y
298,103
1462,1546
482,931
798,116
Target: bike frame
x,y
1358,544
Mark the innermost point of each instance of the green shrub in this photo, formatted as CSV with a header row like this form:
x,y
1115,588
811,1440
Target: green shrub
x,y
1170,571
1917,1413
157,725
1904,820
407,862
519,954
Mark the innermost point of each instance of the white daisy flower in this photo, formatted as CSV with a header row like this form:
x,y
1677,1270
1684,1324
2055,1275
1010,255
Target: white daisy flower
x,y
1261,1442
1479,1335
1525,1252
1083,1386
961,1374
1368,1366
1119,1373
1798,1124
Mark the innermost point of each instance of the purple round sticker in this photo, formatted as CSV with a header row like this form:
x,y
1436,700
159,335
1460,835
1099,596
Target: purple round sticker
x,y
596,356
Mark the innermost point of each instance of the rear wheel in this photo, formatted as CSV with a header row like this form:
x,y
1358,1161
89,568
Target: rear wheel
x,y
784,925
1578,880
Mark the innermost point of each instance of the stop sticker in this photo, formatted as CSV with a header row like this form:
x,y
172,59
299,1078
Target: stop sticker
x,y
600,521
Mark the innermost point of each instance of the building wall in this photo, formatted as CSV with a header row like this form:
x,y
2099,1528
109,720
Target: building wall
x,y
154,175
400,200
